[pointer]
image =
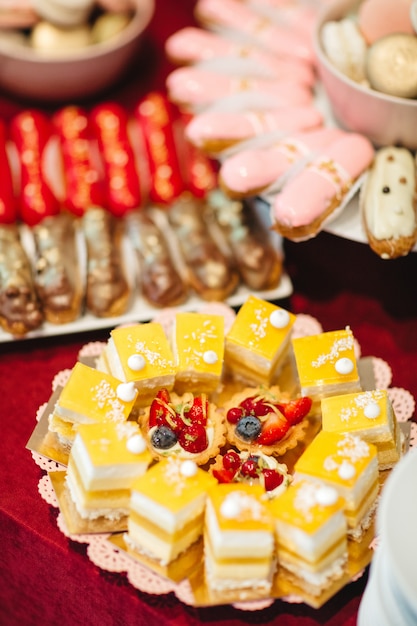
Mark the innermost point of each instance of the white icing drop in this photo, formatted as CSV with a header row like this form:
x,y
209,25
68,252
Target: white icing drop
x,y
326,496
136,444
188,468
210,357
346,470
230,508
344,366
136,362
372,410
126,392
279,318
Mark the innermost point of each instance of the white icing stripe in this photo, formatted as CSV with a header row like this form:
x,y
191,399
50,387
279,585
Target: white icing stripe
x,y
333,172
256,120
293,149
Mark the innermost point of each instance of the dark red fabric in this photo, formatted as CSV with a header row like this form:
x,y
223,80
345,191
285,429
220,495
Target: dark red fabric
x,y
46,578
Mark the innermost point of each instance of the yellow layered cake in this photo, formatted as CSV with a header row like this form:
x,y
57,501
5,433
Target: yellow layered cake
x,y
167,509
326,364
258,342
350,465
198,348
90,396
140,354
104,461
239,539
370,415
311,537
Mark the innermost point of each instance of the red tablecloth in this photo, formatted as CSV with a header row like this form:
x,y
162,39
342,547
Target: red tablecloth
x,y
46,578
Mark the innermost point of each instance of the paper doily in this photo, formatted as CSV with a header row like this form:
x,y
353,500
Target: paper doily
x,y
108,557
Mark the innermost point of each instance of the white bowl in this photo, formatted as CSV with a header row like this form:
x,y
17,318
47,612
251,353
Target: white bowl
x,y
77,74
384,119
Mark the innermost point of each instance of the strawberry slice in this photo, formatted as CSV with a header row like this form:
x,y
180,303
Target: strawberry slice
x,y
296,410
161,412
193,438
199,410
223,475
273,429
272,479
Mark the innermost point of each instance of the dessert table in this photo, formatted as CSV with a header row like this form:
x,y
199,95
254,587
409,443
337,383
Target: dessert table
x,y
45,577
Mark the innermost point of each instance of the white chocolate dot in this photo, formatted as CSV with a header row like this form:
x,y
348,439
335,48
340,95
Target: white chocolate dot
x,y
346,470
210,357
230,508
126,392
279,318
188,468
372,410
136,362
344,366
136,444
326,496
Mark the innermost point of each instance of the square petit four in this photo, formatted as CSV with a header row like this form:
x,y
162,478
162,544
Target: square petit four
x,y
369,415
326,364
167,509
350,465
311,538
198,348
104,461
90,396
140,354
258,342
239,539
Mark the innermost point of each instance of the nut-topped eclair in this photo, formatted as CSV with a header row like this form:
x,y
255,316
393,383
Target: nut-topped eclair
x,y
107,288
57,275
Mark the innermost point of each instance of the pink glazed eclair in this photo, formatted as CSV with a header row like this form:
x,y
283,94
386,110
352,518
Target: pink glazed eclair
x,y
240,17
193,45
191,88
251,171
214,131
309,198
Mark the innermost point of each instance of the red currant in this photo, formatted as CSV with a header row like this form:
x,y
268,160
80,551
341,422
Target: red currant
x,y
250,467
234,414
231,461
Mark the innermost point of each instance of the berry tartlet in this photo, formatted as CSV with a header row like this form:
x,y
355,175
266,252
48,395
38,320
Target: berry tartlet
x,y
259,419
187,427
245,467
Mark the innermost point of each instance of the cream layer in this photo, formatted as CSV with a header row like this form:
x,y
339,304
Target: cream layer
x,y
250,366
237,544
95,478
91,505
312,546
163,517
154,544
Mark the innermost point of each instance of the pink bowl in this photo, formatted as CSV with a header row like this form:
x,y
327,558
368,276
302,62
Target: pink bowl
x,y
78,74
385,120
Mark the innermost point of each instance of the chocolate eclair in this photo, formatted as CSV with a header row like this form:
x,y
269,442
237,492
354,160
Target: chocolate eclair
x,y
258,261
208,269
160,280
107,289
58,278
20,310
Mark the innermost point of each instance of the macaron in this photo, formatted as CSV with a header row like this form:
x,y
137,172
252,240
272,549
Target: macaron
x,y
65,13
378,18
48,39
391,65
108,25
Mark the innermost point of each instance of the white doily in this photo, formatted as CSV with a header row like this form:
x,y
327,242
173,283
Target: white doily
x,y
108,557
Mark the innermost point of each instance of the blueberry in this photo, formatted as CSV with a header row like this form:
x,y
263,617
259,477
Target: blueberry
x,y
163,438
248,427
